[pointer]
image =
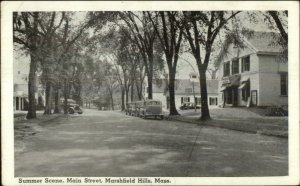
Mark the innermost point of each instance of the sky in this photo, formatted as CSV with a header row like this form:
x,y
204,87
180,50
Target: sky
x,y
186,62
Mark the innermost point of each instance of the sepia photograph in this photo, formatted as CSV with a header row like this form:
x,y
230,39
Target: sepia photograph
x,y
141,96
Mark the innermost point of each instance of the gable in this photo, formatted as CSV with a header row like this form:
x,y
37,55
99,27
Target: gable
x,y
255,43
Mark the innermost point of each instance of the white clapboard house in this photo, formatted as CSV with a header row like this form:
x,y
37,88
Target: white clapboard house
x,y
254,75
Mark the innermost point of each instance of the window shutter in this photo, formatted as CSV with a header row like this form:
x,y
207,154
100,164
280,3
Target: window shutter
x,y
188,99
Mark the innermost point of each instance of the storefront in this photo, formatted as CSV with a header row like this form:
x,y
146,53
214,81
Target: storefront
x,y
230,89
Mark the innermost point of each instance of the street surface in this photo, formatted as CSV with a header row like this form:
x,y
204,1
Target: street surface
x,y
106,143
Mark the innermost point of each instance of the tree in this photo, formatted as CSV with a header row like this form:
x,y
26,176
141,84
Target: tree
x,y
49,53
71,47
110,81
201,28
276,21
170,36
144,37
279,22
26,33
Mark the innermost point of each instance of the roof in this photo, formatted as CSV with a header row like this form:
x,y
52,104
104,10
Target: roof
x,y
255,42
264,41
185,86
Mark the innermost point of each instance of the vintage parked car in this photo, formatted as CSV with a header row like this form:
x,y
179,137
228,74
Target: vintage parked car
x,y
127,109
188,105
150,108
74,108
130,109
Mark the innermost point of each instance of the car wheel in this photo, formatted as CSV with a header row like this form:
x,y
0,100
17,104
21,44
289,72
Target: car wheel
x,y
161,117
71,111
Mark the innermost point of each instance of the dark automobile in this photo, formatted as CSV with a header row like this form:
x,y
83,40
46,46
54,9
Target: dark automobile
x,y
149,108
74,108
188,105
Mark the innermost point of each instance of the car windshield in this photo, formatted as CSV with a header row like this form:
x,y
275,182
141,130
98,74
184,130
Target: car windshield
x,y
153,103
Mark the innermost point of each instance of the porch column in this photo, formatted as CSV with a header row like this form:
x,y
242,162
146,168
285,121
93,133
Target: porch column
x,y
20,104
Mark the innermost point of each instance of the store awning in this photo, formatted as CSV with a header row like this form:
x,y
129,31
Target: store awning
x,y
242,85
243,79
232,81
222,89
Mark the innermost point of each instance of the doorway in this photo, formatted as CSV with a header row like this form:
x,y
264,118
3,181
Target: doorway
x,y
231,96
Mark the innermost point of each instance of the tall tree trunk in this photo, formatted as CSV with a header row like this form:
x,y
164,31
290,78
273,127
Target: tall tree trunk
x,y
149,89
132,91
123,99
48,98
173,110
139,89
204,104
150,74
126,95
112,101
33,67
57,101
65,97
32,88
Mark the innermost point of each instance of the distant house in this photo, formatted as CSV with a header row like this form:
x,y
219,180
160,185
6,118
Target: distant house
x,y
254,75
184,91
20,78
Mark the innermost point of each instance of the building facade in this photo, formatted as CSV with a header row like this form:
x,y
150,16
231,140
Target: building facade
x,y
254,75
185,90
20,78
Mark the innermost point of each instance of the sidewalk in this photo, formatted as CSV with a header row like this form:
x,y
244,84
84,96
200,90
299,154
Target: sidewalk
x,y
238,119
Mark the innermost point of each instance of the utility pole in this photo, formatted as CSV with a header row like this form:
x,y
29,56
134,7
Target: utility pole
x,y
193,81
195,105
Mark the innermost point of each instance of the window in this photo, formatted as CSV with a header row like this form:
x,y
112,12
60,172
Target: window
x,y
185,99
19,72
226,68
235,66
283,84
213,101
194,76
246,64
